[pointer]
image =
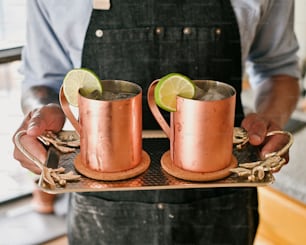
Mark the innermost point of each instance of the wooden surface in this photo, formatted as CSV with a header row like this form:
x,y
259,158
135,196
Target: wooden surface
x,y
58,241
282,218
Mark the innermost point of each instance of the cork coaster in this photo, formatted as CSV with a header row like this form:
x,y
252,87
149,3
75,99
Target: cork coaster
x,y
120,175
195,176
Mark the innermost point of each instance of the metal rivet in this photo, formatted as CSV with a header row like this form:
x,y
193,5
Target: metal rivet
x,y
187,30
99,33
218,31
159,30
160,206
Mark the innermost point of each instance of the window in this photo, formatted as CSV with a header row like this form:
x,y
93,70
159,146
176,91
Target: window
x,y
12,23
14,180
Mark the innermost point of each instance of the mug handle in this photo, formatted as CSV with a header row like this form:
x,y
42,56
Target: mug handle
x,y
66,109
155,111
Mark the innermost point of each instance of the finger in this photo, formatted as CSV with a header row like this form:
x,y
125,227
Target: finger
x,y
57,120
274,144
257,128
37,124
25,123
49,117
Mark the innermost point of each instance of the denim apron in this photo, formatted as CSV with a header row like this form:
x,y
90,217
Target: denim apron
x,y
140,41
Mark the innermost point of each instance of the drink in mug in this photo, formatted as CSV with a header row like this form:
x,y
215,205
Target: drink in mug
x,y
109,95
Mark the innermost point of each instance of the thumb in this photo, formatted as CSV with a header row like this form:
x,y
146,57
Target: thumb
x,y
36,125
49,117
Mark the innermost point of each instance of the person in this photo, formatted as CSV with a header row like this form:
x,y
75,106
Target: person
x,y
140,41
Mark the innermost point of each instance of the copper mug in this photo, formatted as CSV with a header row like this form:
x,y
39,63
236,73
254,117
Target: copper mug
x,y
200,131
110,129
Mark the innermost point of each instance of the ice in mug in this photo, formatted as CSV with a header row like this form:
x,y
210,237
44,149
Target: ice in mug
x,y
108,95
211,93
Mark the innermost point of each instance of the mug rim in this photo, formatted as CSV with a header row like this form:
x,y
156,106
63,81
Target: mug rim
x,y
134,84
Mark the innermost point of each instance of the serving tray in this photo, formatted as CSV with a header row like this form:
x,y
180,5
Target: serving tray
x,y
154,177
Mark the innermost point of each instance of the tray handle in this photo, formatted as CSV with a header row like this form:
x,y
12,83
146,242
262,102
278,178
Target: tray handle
x,y
24,151
285,148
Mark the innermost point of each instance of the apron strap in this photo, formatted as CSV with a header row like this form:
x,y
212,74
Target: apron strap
x,y
101,4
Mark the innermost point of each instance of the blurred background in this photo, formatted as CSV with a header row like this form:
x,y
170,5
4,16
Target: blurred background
x,y
288,193
13,179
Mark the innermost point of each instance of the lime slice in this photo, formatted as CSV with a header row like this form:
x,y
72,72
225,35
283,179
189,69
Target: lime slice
x,y
77,79
170,86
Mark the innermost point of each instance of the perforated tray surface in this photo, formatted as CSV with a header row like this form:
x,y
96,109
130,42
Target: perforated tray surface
x,y
154,177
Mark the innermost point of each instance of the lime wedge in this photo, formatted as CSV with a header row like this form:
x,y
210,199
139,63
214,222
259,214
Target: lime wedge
x,y
80,78
170,86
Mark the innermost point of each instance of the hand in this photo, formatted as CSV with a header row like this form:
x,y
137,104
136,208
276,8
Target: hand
x,y
48,117
258,127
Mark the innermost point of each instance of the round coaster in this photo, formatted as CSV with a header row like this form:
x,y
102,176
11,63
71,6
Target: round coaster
x,y
195,176
120,175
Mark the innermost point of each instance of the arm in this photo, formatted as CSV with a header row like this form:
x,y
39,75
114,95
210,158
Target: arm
x,y
44,63
276,98
53,47
54,44
36,97
274,74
